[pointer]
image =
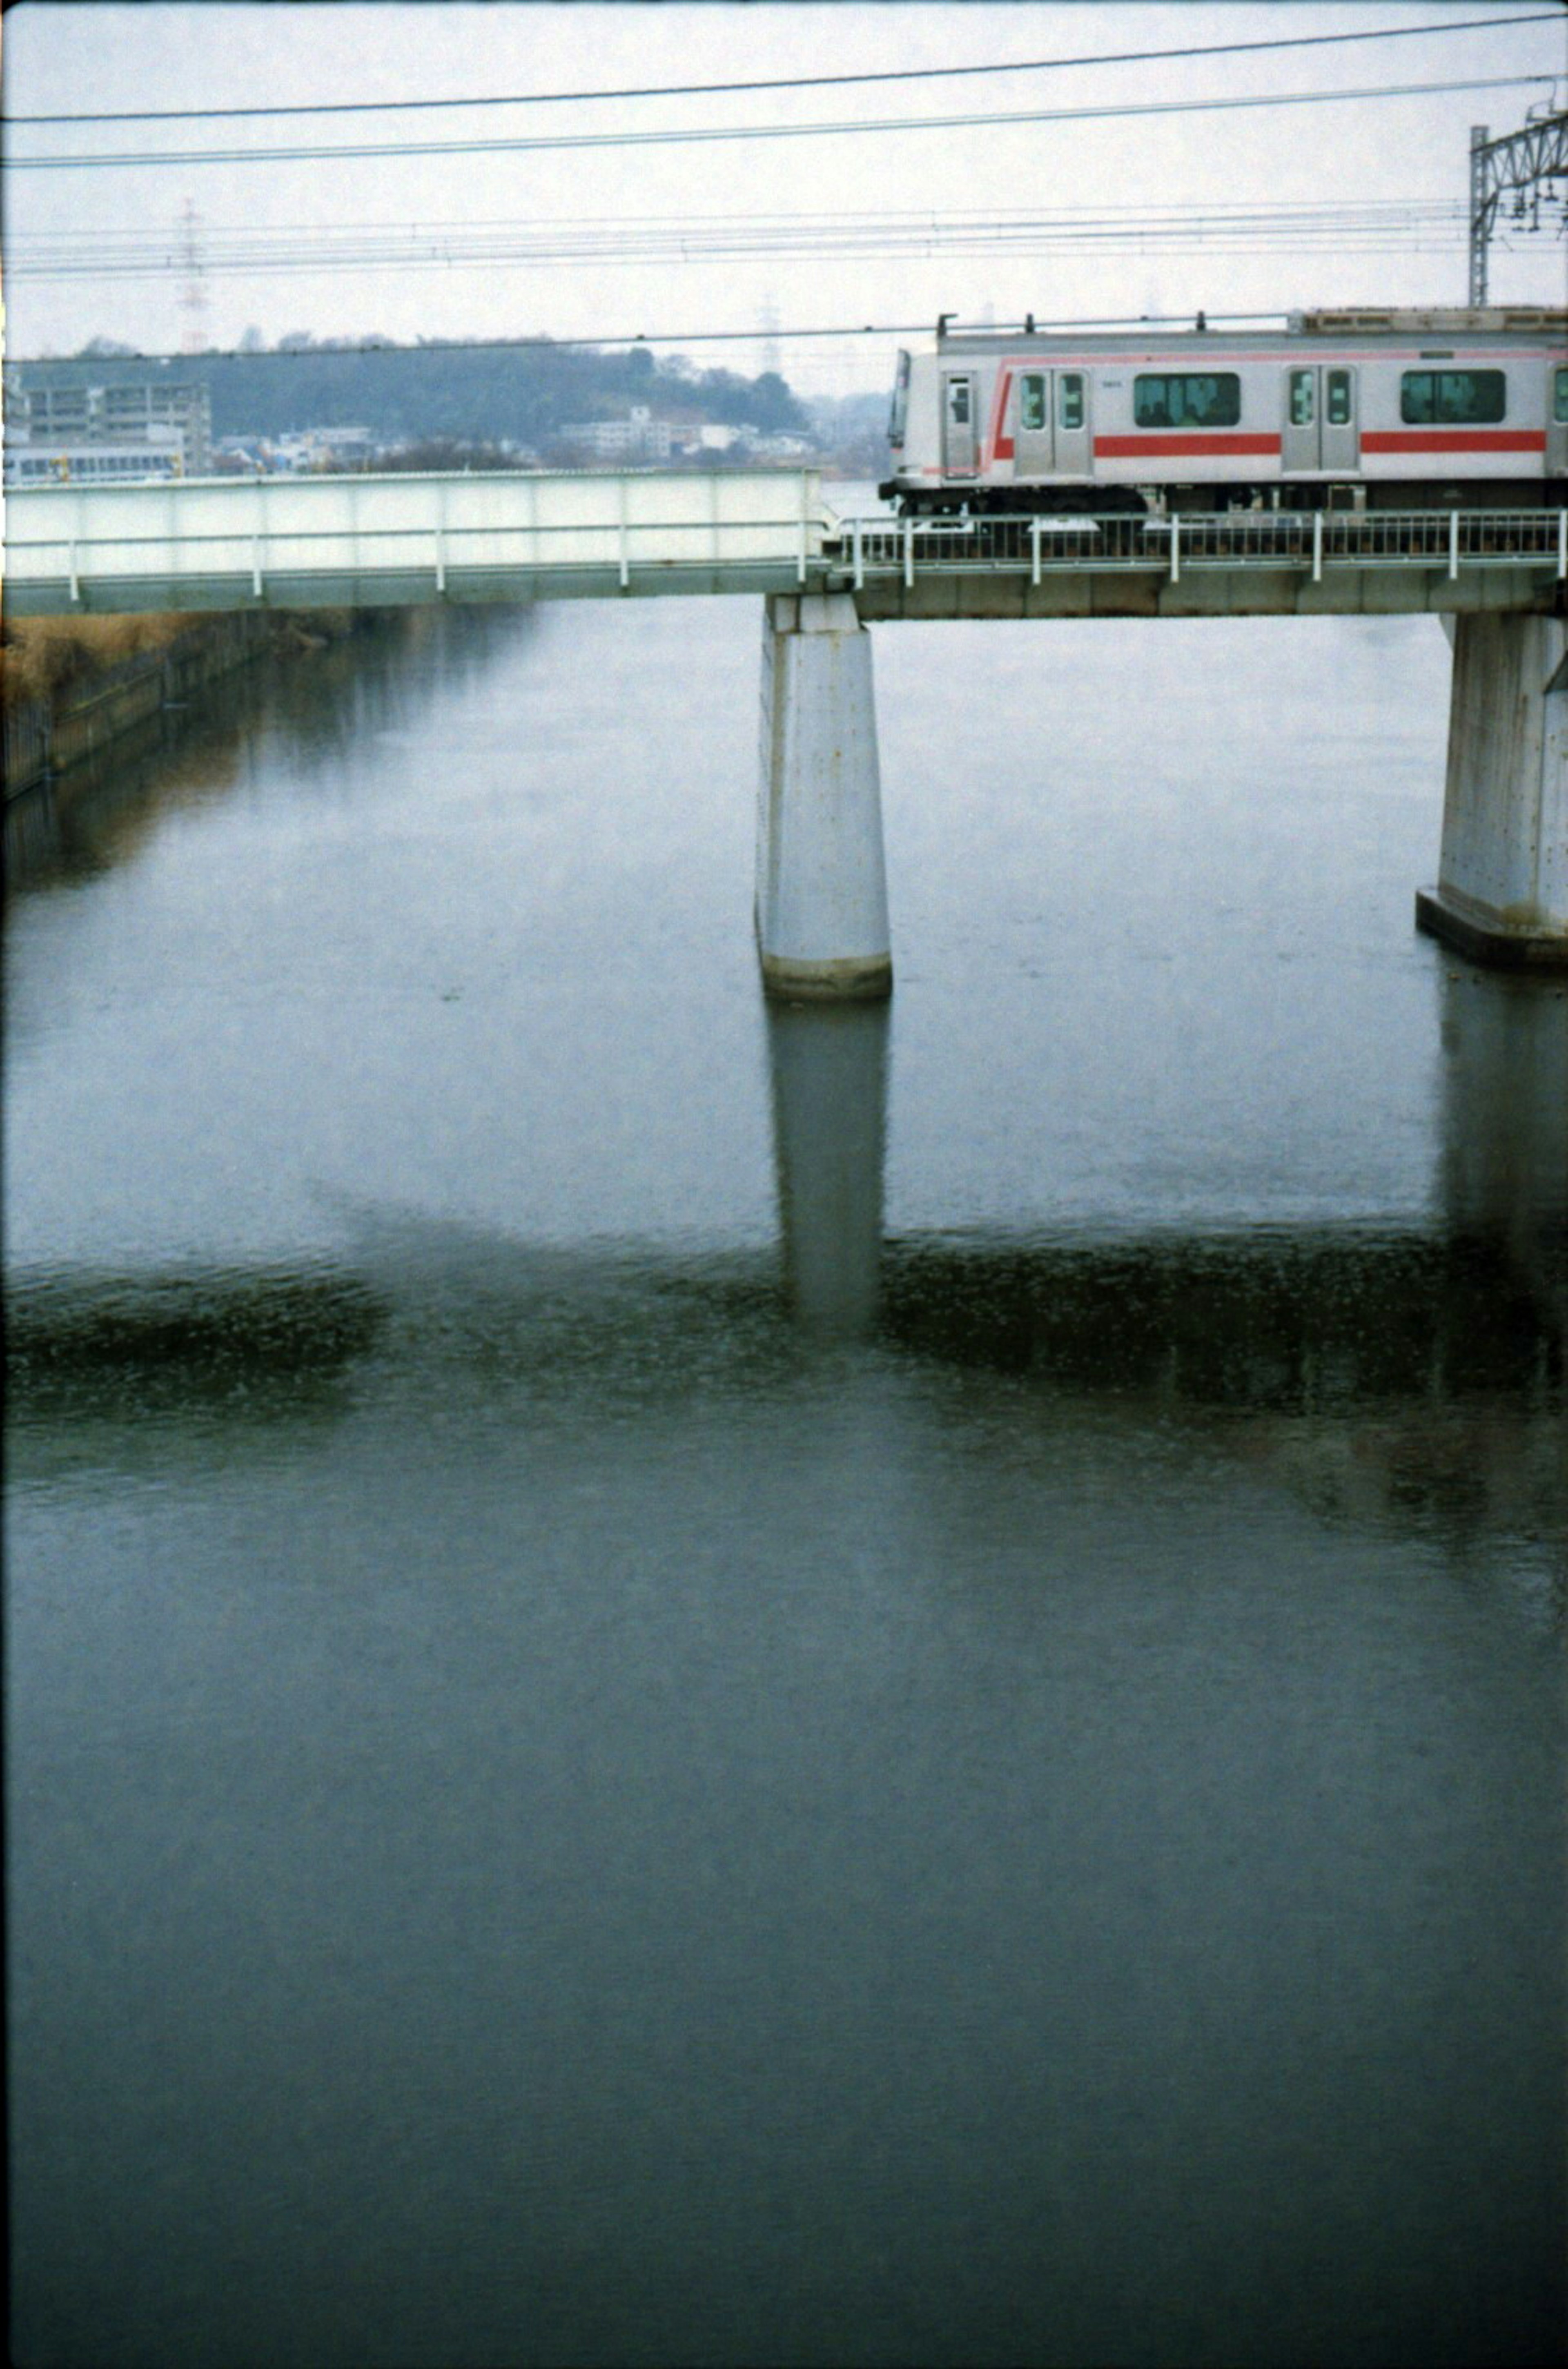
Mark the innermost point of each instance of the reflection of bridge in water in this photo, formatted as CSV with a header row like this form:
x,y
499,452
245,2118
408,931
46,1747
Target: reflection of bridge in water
x,y
1499,579
1403,1366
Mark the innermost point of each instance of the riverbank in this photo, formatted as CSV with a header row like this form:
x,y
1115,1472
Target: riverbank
x,y
73,685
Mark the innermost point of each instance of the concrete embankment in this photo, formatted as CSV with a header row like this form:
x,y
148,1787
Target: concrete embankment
x,y
73,685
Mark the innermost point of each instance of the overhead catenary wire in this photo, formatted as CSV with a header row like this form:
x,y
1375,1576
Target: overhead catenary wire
x,y
675,136
785,82
673,340
611,242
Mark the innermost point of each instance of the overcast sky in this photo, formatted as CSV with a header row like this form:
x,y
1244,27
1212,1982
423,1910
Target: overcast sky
x,y
1410,153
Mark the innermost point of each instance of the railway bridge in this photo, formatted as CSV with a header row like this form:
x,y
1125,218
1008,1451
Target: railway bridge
x,y
1498,578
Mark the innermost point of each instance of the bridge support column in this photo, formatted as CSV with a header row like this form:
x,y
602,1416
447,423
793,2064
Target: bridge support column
x,y
830,1078
1502,893
821,886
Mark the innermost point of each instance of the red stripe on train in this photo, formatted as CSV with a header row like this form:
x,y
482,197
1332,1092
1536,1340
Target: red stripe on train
x,y
1455,440
1001,443
1138,448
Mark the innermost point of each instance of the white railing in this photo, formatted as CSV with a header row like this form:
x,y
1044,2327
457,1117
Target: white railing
x,y
225,542
358,540
1304,542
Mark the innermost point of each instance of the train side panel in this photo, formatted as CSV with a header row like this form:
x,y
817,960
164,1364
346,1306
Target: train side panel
x,y
921,461
1474,420
1194,413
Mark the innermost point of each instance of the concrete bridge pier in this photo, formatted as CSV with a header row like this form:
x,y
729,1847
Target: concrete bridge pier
x,y
828,1067
1502,893
821,886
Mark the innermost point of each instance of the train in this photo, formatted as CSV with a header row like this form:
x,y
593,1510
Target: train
x,y
1368,408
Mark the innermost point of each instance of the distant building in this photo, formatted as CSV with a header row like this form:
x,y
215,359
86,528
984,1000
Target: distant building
x,y
101,401
638,437
321,448
347,445
718,435
241,456
32,461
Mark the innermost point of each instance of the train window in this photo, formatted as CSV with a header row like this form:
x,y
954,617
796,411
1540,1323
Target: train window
x,y
1187,399
1069,400
1336,400
1032,400
1430,398
1560,399
1302,398
958,402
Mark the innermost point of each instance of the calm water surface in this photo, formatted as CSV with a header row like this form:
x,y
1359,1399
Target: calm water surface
x,y
694,1684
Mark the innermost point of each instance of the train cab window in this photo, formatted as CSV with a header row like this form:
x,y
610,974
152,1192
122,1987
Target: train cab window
x,y
1336,398
1302,394
1432,398
1032,400
1069,399
1560,399
1186,399
958,402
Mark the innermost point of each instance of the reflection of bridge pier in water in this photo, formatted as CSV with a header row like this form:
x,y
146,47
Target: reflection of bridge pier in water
x,y
828,1067
1410,1371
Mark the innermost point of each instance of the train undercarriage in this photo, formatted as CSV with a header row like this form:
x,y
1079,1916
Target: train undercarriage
x,y
957,501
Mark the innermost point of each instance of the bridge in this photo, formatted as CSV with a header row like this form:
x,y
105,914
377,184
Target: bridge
x,y
371,541
1498,578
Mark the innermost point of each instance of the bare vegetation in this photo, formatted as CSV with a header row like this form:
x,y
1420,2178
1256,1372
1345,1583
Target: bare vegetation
x,y
49,658
56,659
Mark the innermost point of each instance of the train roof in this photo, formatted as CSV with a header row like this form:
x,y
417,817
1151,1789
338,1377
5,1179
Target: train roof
x,y
1549,322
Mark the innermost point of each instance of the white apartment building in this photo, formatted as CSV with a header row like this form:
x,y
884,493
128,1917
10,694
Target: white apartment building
x,y
638,437
103,402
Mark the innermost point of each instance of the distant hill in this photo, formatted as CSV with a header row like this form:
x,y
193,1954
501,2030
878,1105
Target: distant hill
x,y
477,393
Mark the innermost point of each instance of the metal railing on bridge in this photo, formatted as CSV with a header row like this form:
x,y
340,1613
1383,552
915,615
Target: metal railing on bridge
x,y
374,541
1302,543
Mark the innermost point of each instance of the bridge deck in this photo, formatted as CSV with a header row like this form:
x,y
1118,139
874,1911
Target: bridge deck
x,y
373,541
1240,563
364,541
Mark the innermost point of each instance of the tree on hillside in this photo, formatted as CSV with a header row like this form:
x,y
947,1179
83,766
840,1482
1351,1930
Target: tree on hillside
x,y
477,393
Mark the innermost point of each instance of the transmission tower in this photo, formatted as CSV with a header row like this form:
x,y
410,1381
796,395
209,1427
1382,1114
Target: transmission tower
x,y
193,338
1520,161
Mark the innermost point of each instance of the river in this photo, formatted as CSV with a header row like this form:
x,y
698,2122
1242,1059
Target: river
x,y
691,1682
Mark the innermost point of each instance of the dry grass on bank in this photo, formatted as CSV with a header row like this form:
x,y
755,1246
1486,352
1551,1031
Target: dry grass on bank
x,y
53,658
44,658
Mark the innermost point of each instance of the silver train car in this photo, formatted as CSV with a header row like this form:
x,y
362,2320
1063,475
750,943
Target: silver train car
x,y
1391,409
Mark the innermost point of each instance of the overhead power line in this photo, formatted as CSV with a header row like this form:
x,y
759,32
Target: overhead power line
x,y
148,252
787,81
520,144
673,340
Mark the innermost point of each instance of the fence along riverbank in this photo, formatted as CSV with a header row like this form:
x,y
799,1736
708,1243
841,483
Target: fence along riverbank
x,y
68,696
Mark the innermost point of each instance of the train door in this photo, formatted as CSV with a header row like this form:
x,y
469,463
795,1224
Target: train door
x,y
1033,443
959,423
1557,423
1074,453
1342,426
1050,436
1301,437
1321,427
